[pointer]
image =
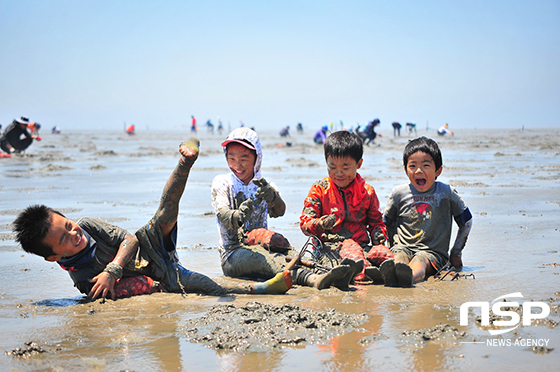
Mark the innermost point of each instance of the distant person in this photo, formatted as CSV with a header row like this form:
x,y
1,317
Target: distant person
x,y
209,126
193,124
396,129
321,135
411,128
56,130
104,260
243,201
285,132
299,128
19,135
419,218
443,130
220,126
342,210
368,135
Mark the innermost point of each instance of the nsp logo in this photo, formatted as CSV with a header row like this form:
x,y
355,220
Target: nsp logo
x,y
497,306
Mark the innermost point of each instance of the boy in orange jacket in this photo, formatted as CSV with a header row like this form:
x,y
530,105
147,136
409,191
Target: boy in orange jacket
x,y
342,210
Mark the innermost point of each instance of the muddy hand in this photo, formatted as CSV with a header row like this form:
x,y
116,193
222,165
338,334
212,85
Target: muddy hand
x,y
103,287
265,191
378,238
244,212
260,182
456,262
327,222
189,150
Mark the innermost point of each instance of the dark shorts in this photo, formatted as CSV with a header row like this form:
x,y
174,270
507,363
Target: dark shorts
x,y
437,261
164,265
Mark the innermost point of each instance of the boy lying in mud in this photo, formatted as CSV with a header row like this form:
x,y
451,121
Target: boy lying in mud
x,y
419,219
104,260
242,201
342,210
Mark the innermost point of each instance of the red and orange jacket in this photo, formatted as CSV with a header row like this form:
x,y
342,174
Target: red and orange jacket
x,y
356,208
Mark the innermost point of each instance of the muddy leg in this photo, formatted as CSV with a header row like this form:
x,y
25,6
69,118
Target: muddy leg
x,y
307,278
193,282
168,209
421,268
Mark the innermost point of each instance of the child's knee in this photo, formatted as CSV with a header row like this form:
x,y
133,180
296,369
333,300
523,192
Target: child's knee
x,y
402,257
421,263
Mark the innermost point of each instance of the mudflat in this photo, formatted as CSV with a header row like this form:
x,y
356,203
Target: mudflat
x,y
508,178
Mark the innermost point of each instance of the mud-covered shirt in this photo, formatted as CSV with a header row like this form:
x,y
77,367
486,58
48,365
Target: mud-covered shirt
x,y
106,240
356,208
422,220
228,192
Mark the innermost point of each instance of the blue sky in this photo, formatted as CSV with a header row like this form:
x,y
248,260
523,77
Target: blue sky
x,y
98,64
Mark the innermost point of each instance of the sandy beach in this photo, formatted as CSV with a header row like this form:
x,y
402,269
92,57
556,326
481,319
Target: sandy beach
x,y
508,178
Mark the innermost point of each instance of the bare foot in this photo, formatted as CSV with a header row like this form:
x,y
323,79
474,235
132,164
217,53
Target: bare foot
x,y
326,280
189,150
404,274
374,274
387,269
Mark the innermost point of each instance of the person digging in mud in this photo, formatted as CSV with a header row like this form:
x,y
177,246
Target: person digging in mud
x,y
104,260
242,201
342,210
19,135
419,219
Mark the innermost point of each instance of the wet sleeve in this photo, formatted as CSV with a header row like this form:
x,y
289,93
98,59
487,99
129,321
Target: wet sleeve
x,y
374,217
227,218
390,218
312,212
223,207
464,221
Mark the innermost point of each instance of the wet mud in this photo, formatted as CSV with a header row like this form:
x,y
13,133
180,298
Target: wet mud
x,y
264,327
509,180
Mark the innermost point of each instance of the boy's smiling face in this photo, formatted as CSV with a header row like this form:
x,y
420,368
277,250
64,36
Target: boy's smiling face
x,y
65,237
342,171
241,161
421,171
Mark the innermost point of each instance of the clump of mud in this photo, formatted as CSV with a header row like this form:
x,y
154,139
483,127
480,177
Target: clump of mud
x,y
541,349
441,332
30,349
263,327
371,339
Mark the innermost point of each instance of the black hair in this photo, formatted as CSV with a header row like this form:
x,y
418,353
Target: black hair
x,y
31,227
425,145
342,143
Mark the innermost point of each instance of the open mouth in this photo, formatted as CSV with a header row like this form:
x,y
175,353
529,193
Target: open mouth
x,y
421,182
80,239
